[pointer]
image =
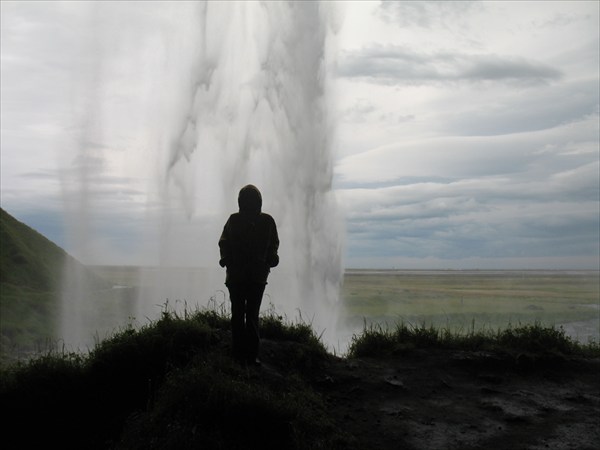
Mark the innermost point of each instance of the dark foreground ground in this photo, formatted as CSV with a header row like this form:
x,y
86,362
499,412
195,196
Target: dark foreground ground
x,y
173,386
442,399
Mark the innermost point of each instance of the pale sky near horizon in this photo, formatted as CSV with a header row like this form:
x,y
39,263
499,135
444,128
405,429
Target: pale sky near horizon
x,y
467,132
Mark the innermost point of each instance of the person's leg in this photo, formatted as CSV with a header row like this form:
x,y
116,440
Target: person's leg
x,y
254,299
238,327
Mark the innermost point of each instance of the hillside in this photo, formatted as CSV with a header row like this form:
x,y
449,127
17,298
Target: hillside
x,y
28,259
31,271
173,385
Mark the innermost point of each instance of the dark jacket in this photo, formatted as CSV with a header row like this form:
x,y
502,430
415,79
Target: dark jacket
x,y
249,241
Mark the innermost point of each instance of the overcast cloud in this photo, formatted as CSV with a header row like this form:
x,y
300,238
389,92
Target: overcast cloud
x,y
471,139
468,132
399,65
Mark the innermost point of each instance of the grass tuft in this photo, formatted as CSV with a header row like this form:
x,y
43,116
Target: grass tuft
x,y
529,338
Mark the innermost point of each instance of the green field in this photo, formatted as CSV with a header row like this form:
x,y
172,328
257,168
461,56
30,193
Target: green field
x,y
460,300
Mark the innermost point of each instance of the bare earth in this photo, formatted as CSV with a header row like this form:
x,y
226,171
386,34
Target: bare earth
x,y
441,399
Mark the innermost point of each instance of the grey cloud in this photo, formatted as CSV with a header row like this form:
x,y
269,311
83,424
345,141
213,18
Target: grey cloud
x,y
523,158
359,111
550,211
544,107
50,175
397,64
497,68
443,205
397,118
101,184
364,110
561,20
473,198
545,231
425,14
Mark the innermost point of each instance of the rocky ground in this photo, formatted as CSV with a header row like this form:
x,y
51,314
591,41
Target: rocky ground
x,y
441,399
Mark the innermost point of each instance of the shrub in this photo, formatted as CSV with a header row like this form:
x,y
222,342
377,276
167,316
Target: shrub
x,y
529,338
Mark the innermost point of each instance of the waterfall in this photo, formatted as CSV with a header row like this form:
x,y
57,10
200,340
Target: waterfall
x,y
200,100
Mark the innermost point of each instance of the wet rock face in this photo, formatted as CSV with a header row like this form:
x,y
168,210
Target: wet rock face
x,y
443,399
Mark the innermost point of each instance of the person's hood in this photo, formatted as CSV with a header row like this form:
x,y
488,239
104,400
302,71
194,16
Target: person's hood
x,y
250,200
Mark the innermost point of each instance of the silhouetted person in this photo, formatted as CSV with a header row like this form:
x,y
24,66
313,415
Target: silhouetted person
x,y
248,246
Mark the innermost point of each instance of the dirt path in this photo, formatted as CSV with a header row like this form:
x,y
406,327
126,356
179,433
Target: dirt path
x,y
457,400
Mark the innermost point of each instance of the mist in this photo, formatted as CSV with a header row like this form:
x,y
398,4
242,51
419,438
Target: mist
x,y
169,121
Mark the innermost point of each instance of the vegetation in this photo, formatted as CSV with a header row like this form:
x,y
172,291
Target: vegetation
x,y
168,385
454,300
31,271
172,385
30,268
523,341
27,258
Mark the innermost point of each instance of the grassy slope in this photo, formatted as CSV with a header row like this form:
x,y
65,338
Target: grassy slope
x,y
27,258
172,385
169,385
31,270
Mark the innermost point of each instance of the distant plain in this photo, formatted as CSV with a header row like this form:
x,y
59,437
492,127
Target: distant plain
x,y
457,300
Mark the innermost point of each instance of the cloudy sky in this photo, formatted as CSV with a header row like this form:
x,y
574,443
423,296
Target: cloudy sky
x,y
467,132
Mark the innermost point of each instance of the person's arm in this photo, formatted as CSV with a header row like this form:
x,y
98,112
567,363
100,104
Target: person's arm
x,y
272,256
224,246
